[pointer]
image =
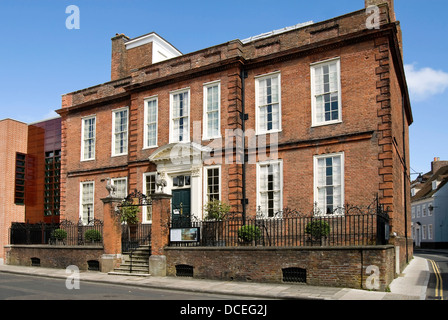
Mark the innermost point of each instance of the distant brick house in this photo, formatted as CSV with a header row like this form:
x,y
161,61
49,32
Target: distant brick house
x,y
331,95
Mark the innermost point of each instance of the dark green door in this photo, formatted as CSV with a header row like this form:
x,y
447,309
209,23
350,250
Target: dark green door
x,y
181,208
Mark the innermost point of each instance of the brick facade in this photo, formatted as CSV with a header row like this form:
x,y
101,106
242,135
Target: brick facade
x,y
372,136
13,140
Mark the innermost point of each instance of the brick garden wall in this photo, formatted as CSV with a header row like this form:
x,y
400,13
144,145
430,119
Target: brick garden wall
x,y
53,256
332,267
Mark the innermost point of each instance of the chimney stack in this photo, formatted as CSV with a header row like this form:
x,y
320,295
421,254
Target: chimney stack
x,y
119,68
437,164
390,4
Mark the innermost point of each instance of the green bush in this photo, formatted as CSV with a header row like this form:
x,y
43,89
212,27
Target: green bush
x,y
249,233
59,234
129,213
92,235
317,229
216,210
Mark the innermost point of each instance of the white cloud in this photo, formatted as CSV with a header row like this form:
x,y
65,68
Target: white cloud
x,y
425,82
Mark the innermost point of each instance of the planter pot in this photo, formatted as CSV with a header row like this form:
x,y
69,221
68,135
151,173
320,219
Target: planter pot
x,y
323,242
247,243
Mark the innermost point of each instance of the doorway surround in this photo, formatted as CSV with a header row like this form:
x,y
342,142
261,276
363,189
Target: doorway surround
x,y
183,159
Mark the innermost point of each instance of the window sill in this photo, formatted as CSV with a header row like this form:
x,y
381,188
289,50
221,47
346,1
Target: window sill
x,y
268,132
323,124
118,155
150,147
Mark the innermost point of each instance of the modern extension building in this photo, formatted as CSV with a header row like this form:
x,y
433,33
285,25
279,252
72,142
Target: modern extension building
x,y
30,169
44,167
13,148
323,108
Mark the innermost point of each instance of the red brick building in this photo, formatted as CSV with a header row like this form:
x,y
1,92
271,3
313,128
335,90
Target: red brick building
x,y
330,98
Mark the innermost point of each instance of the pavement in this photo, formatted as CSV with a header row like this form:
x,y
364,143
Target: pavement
x,y
410,285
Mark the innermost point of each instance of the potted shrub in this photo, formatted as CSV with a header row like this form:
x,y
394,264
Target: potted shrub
x,y
92,236
215,212
318,230
249,234
59,236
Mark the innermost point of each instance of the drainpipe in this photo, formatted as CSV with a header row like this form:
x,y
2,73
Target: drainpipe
x,y
244,117
405,171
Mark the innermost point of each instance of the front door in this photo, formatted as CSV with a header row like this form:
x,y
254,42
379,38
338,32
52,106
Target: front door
x,y
181,208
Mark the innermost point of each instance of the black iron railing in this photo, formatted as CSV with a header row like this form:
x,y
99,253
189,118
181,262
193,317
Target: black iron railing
x,y
64,233
350,226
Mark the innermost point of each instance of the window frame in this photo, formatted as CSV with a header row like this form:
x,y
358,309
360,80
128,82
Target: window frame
x,y
171,125
206,86
20,182
206,174
114,114
146,144
52,196
81,202
145,219
313,68
114,181
83,138
258,79
430,232
278,162
316,159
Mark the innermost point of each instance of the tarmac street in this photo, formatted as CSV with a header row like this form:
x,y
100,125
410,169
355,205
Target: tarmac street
x,y
29,287
411,285
438,266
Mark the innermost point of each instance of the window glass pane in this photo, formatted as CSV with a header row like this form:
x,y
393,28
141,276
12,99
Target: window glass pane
x,y
213,184
89,139
180,120
151,122
268,103
326,91
212,111
329,184
121,134
87,202
270,189
122,188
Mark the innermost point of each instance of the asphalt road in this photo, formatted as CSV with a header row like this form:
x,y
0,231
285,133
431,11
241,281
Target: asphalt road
x,y
24,287
438,266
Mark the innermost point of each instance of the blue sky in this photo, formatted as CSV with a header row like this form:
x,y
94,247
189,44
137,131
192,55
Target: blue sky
x,y
42,59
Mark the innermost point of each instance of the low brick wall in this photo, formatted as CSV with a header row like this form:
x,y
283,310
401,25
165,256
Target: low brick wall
x,y
53,256
325,266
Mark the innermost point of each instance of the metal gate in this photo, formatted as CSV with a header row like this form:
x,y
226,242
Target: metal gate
x,y
134,234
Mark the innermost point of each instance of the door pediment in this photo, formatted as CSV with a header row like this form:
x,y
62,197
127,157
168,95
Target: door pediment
x,y
178,153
